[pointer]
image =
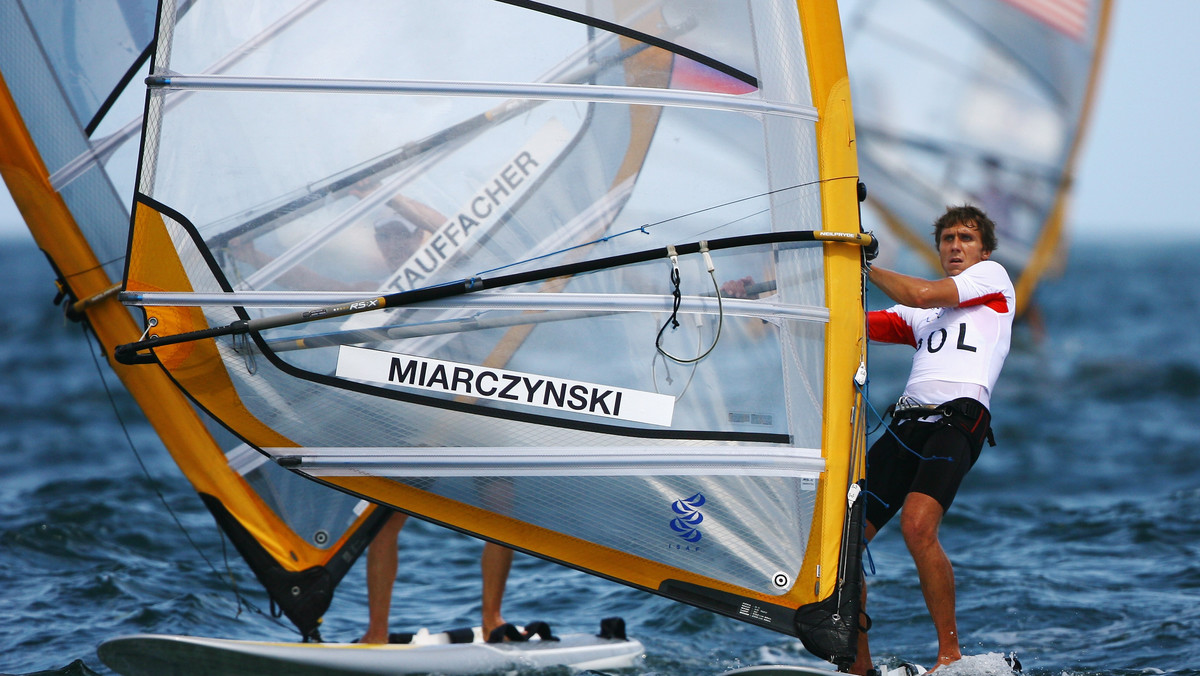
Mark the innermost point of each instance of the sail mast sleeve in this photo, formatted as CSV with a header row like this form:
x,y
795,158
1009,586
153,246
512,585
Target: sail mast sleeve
x,y
843,285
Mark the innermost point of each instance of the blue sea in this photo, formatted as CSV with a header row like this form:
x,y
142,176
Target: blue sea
x,y
1076,540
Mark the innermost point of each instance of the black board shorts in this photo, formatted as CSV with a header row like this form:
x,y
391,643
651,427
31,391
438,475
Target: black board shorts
x,y
934,463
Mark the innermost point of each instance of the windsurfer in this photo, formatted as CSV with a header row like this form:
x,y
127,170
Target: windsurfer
x,y
401,224
398,234
961,326
383,562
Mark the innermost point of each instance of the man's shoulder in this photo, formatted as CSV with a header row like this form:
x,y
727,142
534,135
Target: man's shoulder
x,y
986,283
989,272
989,266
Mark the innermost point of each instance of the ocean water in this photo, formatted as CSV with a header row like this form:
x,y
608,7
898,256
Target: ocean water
x,y
1076,540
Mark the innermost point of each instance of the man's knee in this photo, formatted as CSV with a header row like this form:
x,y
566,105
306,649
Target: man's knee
x,y
919,520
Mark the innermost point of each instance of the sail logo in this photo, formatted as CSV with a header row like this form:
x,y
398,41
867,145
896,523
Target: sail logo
x,y
514,387
686,523
482,211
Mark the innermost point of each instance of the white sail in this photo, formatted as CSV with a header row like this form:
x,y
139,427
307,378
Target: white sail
x,y
540,205
982,102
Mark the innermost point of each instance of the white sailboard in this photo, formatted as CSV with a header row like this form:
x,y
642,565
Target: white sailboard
x,y
157,654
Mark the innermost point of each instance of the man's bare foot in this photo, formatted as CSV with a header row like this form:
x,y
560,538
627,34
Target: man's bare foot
x,y
374,637
943,661
490,626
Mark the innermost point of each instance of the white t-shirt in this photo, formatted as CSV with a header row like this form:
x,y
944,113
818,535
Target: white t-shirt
x,y
960,350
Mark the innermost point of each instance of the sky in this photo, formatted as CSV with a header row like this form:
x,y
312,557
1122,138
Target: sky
x,y
1141,154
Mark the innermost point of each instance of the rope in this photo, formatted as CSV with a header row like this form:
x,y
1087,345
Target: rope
x,y
673,321
231,581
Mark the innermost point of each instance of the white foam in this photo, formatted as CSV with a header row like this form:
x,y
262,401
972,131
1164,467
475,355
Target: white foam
x,y
988,664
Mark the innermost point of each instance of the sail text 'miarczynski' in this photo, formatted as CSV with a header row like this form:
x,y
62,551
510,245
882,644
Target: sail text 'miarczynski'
x,y
506,386
514,388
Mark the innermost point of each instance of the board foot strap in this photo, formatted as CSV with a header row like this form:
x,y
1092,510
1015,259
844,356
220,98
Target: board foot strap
x,y
509,632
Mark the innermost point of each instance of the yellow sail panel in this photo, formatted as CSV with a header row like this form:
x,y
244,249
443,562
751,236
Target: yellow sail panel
x,y
155,266
843,278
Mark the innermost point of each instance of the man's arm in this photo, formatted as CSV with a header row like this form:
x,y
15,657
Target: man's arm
x,y
914,291
419,214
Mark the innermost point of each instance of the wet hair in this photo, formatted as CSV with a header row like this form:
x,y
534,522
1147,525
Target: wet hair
x,y
970,216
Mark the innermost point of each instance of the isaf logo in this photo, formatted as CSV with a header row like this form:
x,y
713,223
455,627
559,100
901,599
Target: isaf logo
x,y
686,524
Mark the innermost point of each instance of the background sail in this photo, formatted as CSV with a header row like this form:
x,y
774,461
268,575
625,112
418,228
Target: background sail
x,y
71,99
982,101
364,148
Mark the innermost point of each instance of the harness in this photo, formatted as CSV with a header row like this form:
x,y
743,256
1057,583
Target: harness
x,y
963,414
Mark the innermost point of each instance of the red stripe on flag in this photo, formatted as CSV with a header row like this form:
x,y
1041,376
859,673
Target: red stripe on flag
x,y
1069,17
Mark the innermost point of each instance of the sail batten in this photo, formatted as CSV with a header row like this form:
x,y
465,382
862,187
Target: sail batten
x,y
550,461
491,301
532,90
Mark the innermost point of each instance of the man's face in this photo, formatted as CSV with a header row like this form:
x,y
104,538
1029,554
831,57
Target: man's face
x,y
960,247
